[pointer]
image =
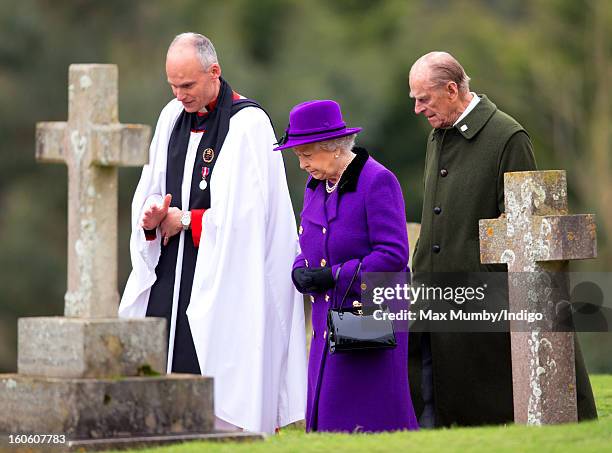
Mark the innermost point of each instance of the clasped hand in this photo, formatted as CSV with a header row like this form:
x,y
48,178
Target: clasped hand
x,y
314,280
167,218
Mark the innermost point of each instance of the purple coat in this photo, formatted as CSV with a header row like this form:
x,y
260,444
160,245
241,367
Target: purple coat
x,y
363,219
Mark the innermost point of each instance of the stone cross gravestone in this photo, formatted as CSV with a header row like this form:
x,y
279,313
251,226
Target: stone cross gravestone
x,y
414,231
536,238
92,143
90,376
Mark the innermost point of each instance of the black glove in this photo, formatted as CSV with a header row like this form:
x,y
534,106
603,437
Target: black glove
x,y
322,278
313,280
302,282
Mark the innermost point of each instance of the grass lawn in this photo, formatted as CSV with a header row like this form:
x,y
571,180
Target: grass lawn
x,y
583,437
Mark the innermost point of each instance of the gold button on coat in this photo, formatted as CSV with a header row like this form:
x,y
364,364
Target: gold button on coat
x,y
323,262
363,287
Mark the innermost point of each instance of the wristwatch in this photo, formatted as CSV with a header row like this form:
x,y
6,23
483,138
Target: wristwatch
x,y
186,220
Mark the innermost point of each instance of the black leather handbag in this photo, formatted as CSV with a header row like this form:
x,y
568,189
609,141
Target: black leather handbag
x,y
356,329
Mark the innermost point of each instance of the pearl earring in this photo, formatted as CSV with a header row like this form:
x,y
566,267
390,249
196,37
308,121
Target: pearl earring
x,y
336,155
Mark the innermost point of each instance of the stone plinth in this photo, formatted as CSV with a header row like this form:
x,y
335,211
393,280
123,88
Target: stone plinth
x,y
156,441
106,408
96,348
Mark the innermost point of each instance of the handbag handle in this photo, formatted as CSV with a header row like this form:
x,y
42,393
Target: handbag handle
x,y
348,289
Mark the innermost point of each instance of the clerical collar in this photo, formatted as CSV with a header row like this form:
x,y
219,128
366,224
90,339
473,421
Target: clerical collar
x,y
210,107
475,100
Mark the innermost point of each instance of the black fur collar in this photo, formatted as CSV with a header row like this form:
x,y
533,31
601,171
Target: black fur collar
x,y
348,181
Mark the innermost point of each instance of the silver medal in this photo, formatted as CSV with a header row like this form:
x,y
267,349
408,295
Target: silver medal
x,y
203,184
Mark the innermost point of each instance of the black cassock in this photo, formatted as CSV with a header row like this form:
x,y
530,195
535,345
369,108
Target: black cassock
x,y
214,127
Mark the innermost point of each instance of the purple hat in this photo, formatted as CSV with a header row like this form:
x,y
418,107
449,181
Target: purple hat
x,y
314,121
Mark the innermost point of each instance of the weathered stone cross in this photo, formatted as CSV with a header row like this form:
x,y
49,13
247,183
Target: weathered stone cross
x,y
536,237
92,144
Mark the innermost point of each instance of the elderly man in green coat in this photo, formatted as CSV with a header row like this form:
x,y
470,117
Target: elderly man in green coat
x,y
465,378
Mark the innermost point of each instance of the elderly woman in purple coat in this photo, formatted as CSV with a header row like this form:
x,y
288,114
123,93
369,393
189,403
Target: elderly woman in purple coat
x,y
353,221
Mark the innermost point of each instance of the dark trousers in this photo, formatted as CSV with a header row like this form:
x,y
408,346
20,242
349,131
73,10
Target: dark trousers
x,y
427,419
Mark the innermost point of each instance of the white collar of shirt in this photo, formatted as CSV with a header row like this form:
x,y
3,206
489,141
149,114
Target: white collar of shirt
x,y
475,100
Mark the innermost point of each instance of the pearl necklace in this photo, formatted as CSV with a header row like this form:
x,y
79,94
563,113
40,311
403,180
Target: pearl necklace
x,y
329,188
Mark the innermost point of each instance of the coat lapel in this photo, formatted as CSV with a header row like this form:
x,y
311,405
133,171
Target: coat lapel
x,y
477,118
314,208
331,206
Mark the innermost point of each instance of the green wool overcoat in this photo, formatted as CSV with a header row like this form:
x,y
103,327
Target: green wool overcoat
x,y
463,183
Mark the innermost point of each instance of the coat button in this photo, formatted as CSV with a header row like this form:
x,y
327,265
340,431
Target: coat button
x,y
323,262
327,298
324,334
364,287
312,299
324,230
437,210
306,262
301,230
313,333
444,172
436,248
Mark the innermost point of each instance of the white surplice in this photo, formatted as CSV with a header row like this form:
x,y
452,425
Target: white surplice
x,y
246,318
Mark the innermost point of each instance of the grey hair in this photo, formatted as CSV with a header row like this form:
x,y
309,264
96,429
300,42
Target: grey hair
x,y
343,144
202,45
443,68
